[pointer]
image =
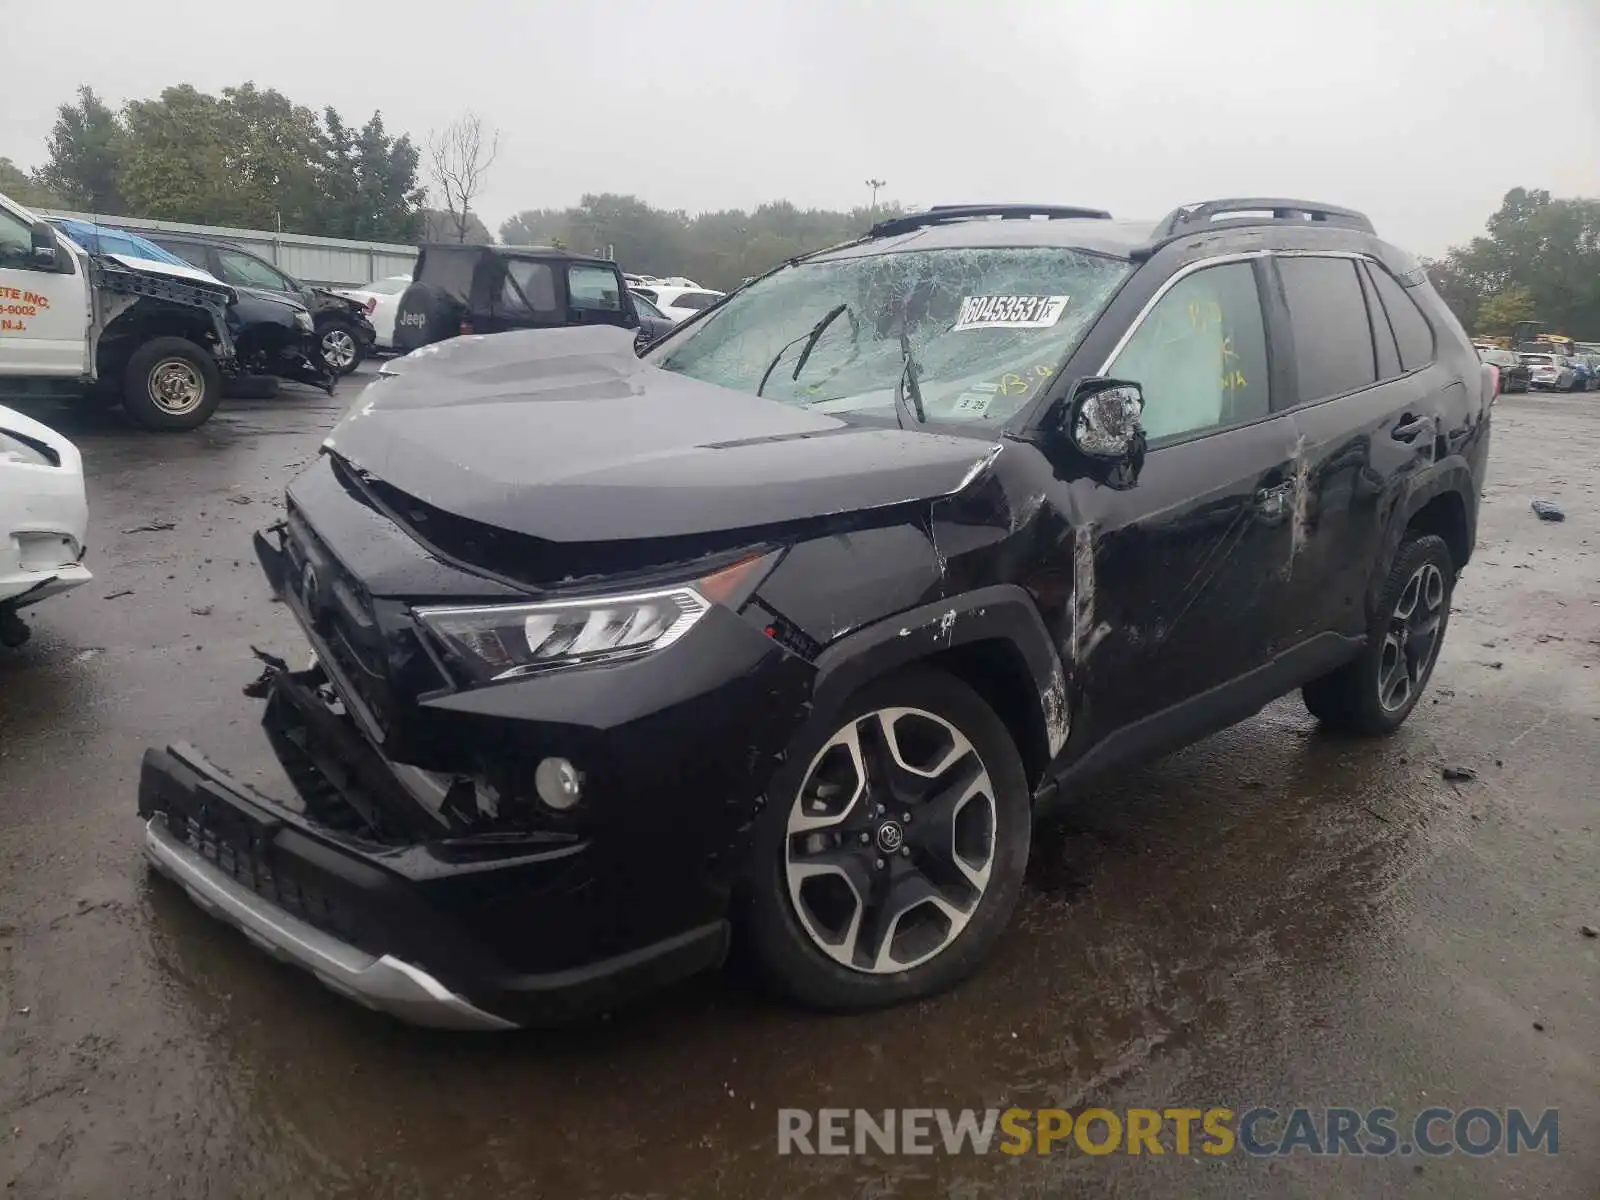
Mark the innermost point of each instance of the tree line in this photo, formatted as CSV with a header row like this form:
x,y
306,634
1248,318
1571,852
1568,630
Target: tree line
x,y
717,249
247,157
1538,261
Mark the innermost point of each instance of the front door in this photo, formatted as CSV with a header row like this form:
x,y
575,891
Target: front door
x,y
596,296
1178,577
44,307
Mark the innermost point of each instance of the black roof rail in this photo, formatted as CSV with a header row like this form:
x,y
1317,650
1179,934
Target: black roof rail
x,y
1248,210
941,214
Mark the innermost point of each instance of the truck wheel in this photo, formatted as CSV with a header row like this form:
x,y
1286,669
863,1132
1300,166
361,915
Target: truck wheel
x,y
892,849
171,384
340,345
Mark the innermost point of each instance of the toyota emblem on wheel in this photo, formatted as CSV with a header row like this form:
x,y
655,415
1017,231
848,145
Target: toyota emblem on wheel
x,y
891,837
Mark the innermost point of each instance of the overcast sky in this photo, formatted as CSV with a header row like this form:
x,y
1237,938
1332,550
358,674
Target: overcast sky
x,y
1420,112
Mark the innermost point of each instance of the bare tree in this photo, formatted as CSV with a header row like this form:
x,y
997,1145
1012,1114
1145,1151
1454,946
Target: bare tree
x,y
459,159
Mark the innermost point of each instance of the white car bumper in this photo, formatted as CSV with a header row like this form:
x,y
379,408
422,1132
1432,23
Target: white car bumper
x,y
43,516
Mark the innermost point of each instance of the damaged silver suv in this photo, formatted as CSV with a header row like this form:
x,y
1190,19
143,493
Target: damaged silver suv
x,y
794,623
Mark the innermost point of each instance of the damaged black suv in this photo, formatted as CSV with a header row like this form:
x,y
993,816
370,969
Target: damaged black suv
x,y
793,624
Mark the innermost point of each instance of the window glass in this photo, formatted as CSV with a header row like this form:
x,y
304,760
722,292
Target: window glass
x,y
1332,338
538,284
648,293
645,308
1201,354
16,241
245,270
986,326
1411,328
593,288
696,300
1382,336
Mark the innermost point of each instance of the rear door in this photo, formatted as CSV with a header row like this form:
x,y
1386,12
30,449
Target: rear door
x,y
1367,401
1179,576
44,308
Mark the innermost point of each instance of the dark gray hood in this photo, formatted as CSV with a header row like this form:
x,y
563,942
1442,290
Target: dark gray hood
x,y
565,434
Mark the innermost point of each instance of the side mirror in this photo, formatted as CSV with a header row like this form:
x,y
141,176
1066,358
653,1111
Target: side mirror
x,y
44,246
1103,419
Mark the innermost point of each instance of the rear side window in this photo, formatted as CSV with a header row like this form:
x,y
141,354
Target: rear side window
x,y
1411,328
1382,336
648,293
1332,338
538,284
696,300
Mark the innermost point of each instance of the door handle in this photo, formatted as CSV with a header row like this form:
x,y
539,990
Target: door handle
x,y
1411,428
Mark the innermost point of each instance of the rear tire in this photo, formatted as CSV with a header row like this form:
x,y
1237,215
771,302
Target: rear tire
x,y
1375,693
171,384
848,905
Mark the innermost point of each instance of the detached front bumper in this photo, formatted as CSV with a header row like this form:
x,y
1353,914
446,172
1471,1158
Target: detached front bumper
x,y
376,924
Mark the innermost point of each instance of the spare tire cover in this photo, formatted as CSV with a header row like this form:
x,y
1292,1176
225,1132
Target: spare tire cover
x,y
427,314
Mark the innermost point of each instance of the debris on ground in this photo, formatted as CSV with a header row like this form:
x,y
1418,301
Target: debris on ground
x,y
1539,1025
1548,511
240,500
120,595
1459,774
1494,666
202,610
152,527
1589,931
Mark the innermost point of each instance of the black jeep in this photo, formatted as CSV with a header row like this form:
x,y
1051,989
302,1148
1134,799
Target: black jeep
x,y
798,620
491,289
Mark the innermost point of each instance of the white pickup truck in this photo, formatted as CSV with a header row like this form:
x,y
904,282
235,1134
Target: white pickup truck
x,y
151,335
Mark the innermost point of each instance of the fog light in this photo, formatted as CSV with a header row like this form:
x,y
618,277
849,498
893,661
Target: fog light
x,y
558,783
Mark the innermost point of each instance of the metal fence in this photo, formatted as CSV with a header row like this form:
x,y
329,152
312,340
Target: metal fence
x,y
329,262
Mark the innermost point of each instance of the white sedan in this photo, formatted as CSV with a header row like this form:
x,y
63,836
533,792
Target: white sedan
x,y
43,519
382,298
678,303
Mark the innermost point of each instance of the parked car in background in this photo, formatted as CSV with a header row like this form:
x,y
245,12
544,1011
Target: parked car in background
x,y
381,300
273,333
1549,372
344,334
1592,361
679,303
1582,373
795,623
160,338
491,289
43,519
1514,374
653,323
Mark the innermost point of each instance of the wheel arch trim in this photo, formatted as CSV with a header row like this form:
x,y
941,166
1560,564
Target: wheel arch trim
x,y
1003,612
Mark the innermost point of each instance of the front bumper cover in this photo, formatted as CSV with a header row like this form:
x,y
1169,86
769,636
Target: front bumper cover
x,y
324,903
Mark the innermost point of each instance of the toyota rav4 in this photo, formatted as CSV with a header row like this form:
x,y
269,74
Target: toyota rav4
x,y
794,623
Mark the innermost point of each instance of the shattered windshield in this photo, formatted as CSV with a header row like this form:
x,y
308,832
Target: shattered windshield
x,y
984,330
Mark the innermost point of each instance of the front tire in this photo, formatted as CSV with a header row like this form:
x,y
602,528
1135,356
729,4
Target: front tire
x,y
893,848
171,384
340,346
1375,693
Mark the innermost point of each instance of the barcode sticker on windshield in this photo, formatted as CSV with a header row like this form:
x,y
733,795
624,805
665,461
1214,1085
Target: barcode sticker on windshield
x,y
1009,312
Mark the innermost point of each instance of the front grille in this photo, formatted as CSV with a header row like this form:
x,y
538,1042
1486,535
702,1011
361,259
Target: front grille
x,y
339,613
246,861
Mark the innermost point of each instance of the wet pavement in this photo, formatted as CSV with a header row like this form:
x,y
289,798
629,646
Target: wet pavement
x,y
1274,916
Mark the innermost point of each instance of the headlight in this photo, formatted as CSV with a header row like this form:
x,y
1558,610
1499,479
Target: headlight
x,y
17,449
302,321
505,641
